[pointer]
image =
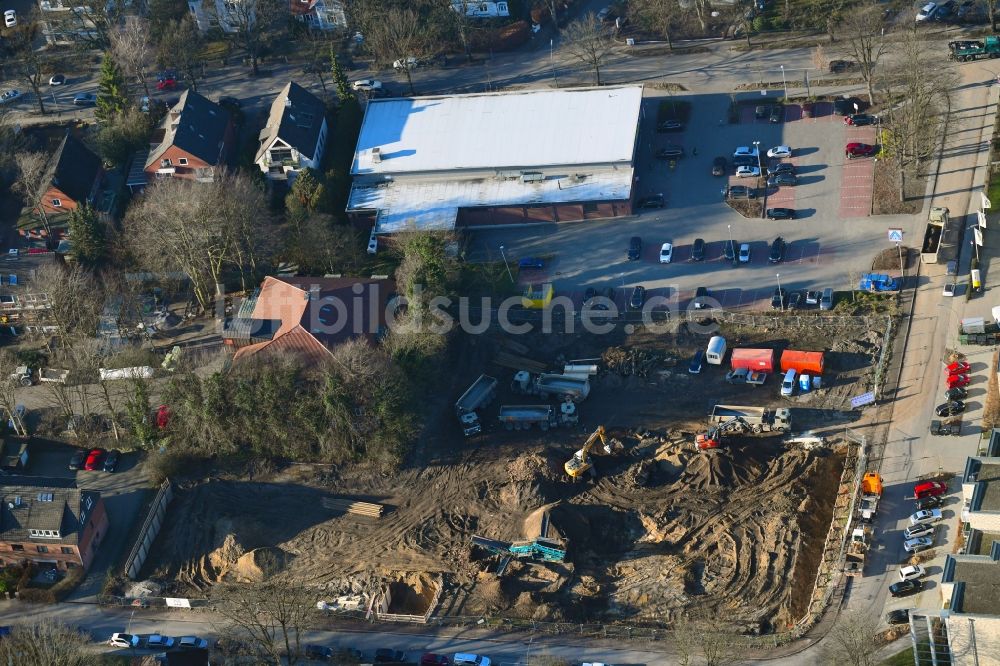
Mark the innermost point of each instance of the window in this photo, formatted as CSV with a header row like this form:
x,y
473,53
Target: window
x,y
89,502
66,550
42,549
281,154
164,164
182,161
16,547
57,203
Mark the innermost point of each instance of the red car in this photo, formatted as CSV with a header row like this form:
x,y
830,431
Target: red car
x,y
859,150
166,82
431,659
957,380
929,489
958,368
94,460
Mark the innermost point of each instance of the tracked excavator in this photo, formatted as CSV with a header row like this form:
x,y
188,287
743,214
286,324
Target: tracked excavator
x,y
580,463
713,438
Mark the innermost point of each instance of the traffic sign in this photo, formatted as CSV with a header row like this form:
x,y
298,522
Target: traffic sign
x,y
895,235
863,399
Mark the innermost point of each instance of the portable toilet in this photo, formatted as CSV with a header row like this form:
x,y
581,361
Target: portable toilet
x,y
817,381
805,383
716,350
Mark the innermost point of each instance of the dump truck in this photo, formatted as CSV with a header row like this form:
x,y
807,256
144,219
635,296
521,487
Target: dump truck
x,y
966,51
857,550
545,385
936,222
810,362
480,394
876,282
15,455
522,417
53,375
751,419
752,359
871,493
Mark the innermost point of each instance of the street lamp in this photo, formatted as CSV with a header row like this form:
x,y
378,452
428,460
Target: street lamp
x,y
732,245
781,294
552,65
760,164
784,84
509,274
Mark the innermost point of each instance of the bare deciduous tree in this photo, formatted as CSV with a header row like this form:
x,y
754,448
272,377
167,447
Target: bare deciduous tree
x,y
44,642
75,301
180,47
661,16
699,638
393,34
254,24
8,390
864,40
33,66
31,169
131,46
852,640
588,41
271,614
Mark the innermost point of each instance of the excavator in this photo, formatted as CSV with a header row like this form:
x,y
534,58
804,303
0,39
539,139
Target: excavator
x,y
580,463
713,438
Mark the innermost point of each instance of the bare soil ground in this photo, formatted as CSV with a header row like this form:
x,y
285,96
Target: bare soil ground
x,y
737,531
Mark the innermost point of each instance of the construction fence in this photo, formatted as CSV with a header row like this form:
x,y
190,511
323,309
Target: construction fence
x,y
150,528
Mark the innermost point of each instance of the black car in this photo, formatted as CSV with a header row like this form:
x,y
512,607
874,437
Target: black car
x,y
951,408
780,213
85,99
700,296
781,167
777,253
779,179
634,248
957,393
930,503
385,655
76,462
670,126
795,300
905,588
729,250
319,652
638,298
111,460
860,119
777,113
845,106
719,166
652,201
762,111
744,160
898,616
840,66
589,294
698,250
670,153
778,298
741,192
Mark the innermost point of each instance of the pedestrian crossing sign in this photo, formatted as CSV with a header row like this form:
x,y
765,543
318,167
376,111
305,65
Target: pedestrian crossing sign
x,y
895,235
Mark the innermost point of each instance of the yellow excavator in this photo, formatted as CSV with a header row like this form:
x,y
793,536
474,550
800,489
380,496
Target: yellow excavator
x,y
580,463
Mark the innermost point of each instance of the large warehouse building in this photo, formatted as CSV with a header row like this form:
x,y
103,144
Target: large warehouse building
x,y
496,158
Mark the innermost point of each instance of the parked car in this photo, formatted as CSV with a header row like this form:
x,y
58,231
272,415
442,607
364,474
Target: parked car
x,y
911,572
729,250
795,300
777,114
670,153
79,456
959,368
949,289
957,380
748,172
698,250
853,150
634,248
638,298
10,18
929,489
780,213
780,151
195,642
812,297
166,81
914,531
745,253
746,160
780,179
9,96
695,367
57,79
719,166
905,588
778,299
840,66
745,151
898,616
670,126
319,652
762,111
808,109
367,85
666,253
406,63
652,201
159,641
590,293
930,502
85,99
741,192
111,462
952,408
781,167
925,516
431,659
957,393
94,459
860,119
844,106
777,253
124,640
701,296
530,263
385,655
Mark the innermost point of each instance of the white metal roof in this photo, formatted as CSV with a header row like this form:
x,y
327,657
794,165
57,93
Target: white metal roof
x,y
510,130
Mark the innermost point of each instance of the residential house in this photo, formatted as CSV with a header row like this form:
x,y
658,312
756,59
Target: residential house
x,y
65,21
50,521
481,8
225,15
308,316
193,141
73,177
319,14
295,135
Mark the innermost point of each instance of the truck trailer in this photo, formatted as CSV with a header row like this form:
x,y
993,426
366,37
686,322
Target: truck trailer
x,y
522,417
760,360
975,50
936,222
480,394
751,419
560,386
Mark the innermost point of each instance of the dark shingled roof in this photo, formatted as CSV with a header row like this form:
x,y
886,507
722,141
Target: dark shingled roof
x,y
73,169
195,125
27,506
296,118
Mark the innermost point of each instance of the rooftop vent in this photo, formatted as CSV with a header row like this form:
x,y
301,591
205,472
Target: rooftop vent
x,y
314,292
377,155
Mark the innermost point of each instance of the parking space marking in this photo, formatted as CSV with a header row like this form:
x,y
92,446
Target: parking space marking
x,y
856,176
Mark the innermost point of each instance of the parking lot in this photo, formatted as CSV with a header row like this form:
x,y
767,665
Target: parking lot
x,y
831,237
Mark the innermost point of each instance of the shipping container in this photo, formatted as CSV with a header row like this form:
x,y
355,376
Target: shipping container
x,y
761,360
802,361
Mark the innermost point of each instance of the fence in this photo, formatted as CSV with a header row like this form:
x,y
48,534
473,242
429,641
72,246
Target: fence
x,y
150,528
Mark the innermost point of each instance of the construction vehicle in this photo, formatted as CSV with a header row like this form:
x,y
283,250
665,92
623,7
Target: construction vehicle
x,y
580,463
545,385
542,548
745,376
481,393
966,51
522,417
857,550
936,222
736,420
22,376
53,375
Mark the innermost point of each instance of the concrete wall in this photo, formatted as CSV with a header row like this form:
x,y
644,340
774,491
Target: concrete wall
x,y
985,521
974,640
150,528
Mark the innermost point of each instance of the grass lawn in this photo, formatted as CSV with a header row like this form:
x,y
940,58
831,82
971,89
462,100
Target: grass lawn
x,y
902,658
993,192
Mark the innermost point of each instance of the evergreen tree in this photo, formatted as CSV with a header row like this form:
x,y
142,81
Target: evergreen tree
x,y
340,82
87,233
112,93
306,195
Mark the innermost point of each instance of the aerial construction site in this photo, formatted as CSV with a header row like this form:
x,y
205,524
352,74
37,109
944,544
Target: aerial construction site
x,y
629,490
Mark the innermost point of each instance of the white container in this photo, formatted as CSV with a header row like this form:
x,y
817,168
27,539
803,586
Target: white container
x,y
716,351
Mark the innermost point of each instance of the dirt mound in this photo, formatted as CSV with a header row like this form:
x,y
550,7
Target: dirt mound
x,y
258,564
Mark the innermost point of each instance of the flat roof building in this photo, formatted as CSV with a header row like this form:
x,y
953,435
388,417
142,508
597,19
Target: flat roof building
x,y
496,158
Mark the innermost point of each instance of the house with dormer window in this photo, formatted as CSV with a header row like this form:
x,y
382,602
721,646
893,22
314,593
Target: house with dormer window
x,y
73,177
295,135
193,141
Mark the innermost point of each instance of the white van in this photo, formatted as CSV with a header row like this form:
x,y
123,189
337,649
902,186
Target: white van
x,y
788,383
464,659
716,351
